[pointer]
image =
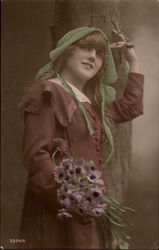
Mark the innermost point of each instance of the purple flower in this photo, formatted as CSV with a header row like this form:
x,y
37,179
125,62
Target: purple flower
x,y
60,146
94,176
78,170
89,199
81,211
79,165
81,190
98,211
66,163
96,193
78,197
65,202
71,172
64,188
91,165
64,214
103,205
67,178
72,198
100,182
59,174
63,197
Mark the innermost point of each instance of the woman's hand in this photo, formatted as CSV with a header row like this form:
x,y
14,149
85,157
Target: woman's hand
x,y
132,59
127,47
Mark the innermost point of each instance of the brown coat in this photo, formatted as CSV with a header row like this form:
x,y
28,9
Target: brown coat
x,y
51,112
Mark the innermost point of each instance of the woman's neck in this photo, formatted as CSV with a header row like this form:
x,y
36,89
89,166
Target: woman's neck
x,y
78,83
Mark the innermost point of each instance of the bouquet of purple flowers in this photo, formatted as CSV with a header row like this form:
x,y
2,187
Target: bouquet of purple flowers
x,y
82,191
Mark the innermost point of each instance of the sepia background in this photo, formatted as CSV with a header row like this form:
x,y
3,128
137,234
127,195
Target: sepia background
x,y
26,42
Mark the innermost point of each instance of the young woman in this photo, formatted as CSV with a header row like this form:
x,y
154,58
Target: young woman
x,y
71,102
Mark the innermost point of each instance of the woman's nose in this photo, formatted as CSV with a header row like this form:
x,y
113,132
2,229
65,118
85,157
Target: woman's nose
x,y
92,55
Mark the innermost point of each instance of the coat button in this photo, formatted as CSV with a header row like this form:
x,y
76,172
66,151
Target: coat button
x,y
100,161
98,149
96,138
95,127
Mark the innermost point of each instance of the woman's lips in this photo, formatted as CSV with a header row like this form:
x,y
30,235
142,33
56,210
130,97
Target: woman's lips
x,y
88,64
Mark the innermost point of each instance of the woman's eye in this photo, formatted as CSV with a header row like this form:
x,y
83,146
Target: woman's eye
x,y
86,48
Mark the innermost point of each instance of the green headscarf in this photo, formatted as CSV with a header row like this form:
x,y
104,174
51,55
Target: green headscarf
x,y
110,76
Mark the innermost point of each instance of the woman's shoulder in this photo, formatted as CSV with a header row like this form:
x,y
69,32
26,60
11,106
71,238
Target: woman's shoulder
x,y
49,92
46,86
45,89
53,88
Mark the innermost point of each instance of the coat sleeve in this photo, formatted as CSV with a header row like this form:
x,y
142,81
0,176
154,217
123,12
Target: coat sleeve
x,y
37,146
130,105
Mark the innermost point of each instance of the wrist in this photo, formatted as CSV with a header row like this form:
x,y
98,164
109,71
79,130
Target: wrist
x,y
134,66
133,60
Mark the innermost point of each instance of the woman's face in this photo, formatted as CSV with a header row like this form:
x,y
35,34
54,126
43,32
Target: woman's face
x,y
84,63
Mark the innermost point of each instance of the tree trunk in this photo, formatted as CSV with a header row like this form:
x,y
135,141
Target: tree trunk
x,y
103,14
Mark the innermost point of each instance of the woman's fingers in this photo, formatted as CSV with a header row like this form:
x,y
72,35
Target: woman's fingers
x,y
118,45
125,41
121,35
130,45
123,44
126,47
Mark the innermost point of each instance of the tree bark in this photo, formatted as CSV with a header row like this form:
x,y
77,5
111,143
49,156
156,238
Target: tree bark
x,y
103,14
